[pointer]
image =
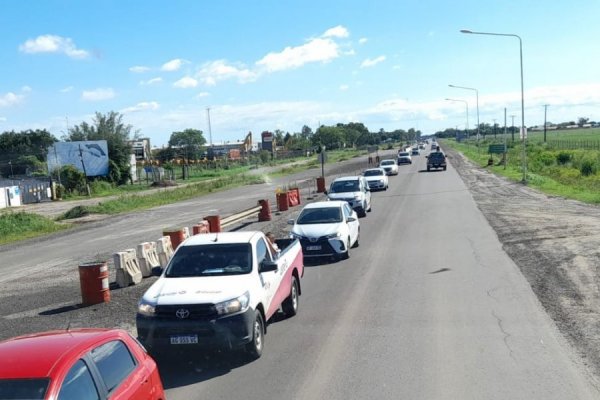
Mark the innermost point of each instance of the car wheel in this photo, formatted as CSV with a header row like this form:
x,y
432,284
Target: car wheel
x,y
356,244
290,304
428,169
255,347
444,168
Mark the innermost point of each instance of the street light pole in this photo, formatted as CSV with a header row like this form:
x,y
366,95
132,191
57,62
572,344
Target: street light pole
x,y
476,99
467,105
523,129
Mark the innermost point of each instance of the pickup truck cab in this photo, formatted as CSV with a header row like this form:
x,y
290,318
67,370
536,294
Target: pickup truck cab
x,y
219,290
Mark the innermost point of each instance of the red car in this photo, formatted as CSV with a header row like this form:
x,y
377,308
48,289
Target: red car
x,y
78,364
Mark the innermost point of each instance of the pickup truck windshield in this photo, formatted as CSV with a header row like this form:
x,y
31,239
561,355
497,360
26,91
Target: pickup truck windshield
x,y
344,186
320,216
211,260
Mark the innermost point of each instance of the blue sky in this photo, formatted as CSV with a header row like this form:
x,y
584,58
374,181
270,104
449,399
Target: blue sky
x,y
266,65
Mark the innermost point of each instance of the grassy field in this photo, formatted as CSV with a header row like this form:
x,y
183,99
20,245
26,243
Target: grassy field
x,y
16,226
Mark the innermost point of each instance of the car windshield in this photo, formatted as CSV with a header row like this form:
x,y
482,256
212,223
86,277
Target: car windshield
x,y
211,260
373,172
388,162
12,389
344,186
436,155
326,215
403,154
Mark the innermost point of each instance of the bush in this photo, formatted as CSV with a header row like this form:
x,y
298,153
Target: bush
x,y
563,157
265,156
75,212
588,166
72,179
101,187
546,158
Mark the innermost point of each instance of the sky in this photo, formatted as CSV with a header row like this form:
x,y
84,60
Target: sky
x,y
266,65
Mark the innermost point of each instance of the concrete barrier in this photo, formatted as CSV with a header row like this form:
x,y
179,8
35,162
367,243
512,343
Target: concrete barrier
x,y
186,232
147,258
164,250
201,227
127,267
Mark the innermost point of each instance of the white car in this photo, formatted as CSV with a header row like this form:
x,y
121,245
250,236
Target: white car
x,y
354,190
404,158
327,228
389,166
377,178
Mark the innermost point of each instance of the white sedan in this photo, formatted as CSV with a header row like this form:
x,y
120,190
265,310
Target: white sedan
x,y
389,166
327,228
377,178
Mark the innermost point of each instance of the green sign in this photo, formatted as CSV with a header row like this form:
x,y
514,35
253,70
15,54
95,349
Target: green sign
x,y
496,149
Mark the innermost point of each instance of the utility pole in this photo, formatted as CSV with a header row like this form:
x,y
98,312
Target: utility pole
x,y
513,128
494,128
545,113
87,186
209,129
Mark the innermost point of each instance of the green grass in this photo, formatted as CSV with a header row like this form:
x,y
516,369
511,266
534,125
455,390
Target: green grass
x,y
544,172
16,226
563,134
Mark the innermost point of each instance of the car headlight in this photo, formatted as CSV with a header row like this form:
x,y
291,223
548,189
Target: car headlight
x,y
239,304
381,181
334,235
357,197
146,309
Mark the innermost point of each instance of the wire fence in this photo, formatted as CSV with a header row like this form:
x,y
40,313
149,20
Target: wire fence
x,y
567,144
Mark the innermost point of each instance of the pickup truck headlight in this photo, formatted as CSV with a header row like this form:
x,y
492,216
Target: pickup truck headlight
x,y
239,304
334,235
146,309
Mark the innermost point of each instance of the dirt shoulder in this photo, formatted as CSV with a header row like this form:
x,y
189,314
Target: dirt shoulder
x,y
556,244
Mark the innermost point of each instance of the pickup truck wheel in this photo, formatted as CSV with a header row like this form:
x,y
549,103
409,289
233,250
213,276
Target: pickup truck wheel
x,y
255,347
290,305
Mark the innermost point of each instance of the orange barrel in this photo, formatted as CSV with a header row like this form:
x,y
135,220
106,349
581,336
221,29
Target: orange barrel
x,y
214,223
265,212
320,185
93,278
282,201
202,227
177,236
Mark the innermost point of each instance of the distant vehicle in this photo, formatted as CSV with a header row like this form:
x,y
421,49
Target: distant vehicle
x,y
78,364
219,290
436,159
415,152
327,228
354,190
404,158
376,178
389,166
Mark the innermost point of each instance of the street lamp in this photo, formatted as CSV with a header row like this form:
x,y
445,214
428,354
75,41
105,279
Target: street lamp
x,y
523,156
11,170
477,99
467,105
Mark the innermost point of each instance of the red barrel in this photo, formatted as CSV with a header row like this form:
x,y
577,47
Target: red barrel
x,y
214,223
320,185
177,236
202,227
282,201
93,278
265,212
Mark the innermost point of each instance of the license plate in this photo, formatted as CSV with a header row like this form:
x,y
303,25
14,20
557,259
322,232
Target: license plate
x,y
312,248
184,339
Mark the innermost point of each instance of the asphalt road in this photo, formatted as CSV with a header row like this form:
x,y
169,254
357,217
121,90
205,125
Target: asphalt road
x,y
428,307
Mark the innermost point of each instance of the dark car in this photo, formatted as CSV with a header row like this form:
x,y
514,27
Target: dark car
x,y
437,160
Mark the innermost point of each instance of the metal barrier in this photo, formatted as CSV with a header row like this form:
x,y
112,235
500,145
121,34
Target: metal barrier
x,y
232,219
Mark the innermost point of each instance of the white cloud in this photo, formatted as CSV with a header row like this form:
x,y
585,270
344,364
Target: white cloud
x,y
98,94
66,89
3,119
138,69
26,89
143,106
397,67
219,70
337,32
186,82
202,94
363,40
367,63
344,87
10,99
152,81
173,65
316,50
53,44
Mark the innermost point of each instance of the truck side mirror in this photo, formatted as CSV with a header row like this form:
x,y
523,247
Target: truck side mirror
x,y
267,266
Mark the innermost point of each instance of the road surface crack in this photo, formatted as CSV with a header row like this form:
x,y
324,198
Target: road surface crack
x,y
506,335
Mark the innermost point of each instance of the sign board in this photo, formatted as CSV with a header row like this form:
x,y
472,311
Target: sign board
x,y
521,132
496,149
94,154
322,157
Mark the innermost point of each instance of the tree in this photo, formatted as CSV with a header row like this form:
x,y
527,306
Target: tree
x,y
25,149
109,127
188,141
582,121
329,136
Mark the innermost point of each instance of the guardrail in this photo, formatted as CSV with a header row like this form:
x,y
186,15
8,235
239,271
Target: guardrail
x,y
232,219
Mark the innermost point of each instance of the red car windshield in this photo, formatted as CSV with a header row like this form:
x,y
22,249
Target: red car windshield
x,y
13,389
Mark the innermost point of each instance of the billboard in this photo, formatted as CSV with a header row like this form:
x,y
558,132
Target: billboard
x,y
267,141
91,153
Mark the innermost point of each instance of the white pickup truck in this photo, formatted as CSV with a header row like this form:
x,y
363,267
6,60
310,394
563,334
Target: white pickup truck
x,y
219,290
